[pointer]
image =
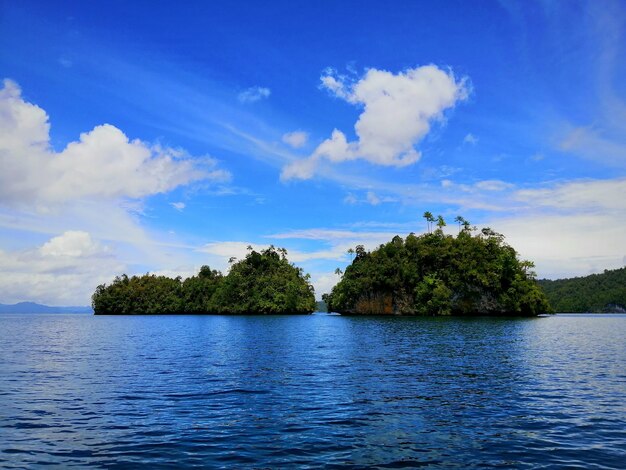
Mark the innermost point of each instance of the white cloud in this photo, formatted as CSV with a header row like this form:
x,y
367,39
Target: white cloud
x,y
96,186
296,139
350,199
470,139
480,189
63,271
103,164
568,229
179,206
566,245
493,185
398,112
253,94
332,235
581,196
72,244
323,282
591,144
372,198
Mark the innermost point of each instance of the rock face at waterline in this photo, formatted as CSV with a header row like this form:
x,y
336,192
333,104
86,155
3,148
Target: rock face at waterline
x,y
438,274
264,283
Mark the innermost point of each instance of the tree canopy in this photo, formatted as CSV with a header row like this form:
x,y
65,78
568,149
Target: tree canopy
x,y
262,283
605,292
438,274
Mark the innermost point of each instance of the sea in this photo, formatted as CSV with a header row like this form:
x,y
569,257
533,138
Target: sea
x,y
318,391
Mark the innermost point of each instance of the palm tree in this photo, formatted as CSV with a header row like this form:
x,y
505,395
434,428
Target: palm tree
x,y
429,219
460,221
351,253
440,222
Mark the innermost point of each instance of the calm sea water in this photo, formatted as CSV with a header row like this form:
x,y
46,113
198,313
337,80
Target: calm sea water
x,y
313,391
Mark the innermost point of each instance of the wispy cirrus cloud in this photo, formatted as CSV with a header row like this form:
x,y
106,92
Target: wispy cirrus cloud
x,y
254,94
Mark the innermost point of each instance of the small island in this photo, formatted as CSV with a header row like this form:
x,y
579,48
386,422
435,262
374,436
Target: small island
x,y
439,274
264,283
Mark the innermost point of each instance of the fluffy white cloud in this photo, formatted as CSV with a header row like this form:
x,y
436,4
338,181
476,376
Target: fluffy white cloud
x,y
398,110
179,206
63,271
296,139
71,244
104,163
254,94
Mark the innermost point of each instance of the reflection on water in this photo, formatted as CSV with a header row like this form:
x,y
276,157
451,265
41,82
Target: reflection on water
x,y
312,391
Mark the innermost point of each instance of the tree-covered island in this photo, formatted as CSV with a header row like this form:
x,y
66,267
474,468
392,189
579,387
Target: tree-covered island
x,y
596,293
439,274
263,283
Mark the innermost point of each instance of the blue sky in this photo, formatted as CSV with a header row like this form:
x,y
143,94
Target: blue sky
x,y
161,136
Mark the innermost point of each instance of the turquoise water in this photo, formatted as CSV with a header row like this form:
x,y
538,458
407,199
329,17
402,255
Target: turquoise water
x,y
313,391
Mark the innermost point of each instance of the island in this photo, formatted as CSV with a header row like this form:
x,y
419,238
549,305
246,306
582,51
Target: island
x,y
597,293
264,283
439,274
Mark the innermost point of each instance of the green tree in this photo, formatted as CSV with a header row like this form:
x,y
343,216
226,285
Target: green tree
x,y
262,283
463,275
429,220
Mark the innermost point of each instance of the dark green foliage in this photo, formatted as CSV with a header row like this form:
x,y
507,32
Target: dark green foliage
x,y
597,293
198,291
438,274
148,295
262,283
265,283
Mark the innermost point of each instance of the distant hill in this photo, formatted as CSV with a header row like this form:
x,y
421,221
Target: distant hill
x,y
32,307
595,293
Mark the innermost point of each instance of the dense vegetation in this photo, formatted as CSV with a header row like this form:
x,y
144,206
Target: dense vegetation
x,y
262,283
604,292
438,274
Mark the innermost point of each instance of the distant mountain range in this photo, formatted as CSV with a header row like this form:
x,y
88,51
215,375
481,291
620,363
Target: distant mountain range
x,y
32,307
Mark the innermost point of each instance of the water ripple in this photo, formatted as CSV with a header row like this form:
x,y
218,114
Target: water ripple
x,y
311,392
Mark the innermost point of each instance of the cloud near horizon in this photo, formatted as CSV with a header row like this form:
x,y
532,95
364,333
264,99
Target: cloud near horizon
x,y
398,110
62,271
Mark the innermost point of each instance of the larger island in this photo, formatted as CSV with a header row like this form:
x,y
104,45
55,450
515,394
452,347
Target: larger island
x,y
438,274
